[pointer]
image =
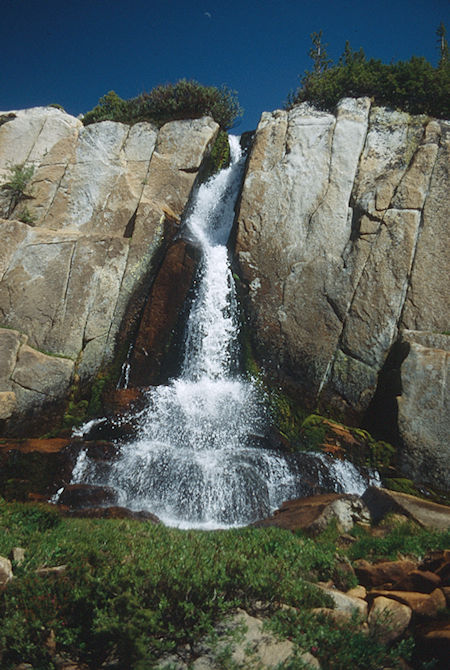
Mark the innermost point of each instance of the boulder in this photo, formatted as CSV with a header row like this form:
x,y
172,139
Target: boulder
x,y
428,514
375,574
18,555
433,641
345,603
8,403
423,605
422,581
389,618
314,513
245,641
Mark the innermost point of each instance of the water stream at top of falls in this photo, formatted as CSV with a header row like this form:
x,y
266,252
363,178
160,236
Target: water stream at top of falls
x,y
197,461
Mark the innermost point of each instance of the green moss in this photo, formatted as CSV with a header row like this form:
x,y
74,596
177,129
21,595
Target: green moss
x,y
287,417
314,432
95,402
220,153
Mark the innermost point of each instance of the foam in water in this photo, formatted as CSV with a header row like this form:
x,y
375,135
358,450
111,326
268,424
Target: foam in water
x,y
194,463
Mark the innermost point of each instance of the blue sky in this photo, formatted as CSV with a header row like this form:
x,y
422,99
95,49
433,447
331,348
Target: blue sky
x,y
72,52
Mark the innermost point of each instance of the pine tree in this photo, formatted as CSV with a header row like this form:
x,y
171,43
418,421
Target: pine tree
x,y
441,34
318,53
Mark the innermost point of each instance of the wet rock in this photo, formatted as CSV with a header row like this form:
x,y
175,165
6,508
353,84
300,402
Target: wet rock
x,y
428,514
34,467
120,401
314,513
87,495
162,316
389,618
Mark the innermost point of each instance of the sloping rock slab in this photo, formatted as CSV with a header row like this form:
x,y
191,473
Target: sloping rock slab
x,y
428,514
161,314
313,513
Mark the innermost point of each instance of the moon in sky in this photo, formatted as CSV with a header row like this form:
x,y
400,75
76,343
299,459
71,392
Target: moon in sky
x,y
208,14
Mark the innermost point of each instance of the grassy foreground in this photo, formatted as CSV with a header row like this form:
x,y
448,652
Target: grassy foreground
x,y
132,591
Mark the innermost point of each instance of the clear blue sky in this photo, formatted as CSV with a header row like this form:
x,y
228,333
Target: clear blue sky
x,y
72,52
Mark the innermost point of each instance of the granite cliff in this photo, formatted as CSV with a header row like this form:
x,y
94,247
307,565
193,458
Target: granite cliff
x,y
340,246
342,249
106,202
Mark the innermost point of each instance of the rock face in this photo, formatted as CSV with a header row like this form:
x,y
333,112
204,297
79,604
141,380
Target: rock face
x,y
341,247
106,200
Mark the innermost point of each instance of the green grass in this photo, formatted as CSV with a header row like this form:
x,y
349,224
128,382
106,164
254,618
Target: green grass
x,y
134,591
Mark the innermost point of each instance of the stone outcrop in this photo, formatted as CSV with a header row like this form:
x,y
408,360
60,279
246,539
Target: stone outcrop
x,y
341,248
424,512
314,513
105,202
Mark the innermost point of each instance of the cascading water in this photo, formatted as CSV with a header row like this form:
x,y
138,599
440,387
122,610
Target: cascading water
x,y
196,462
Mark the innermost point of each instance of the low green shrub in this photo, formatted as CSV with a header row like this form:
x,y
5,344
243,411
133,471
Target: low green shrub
x,y
17,186
135,590
169,102
338,646
403,539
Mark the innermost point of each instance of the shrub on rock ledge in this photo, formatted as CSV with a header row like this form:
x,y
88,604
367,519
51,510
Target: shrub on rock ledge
x,y
169,102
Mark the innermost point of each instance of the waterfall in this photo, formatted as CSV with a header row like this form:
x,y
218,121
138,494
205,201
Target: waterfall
x,y
197,460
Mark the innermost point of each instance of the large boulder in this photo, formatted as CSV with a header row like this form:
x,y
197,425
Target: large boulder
x,y
103,205
340,247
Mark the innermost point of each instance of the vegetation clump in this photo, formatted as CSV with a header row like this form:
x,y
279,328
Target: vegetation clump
x,y
414,86
186,99
17,189
133,591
